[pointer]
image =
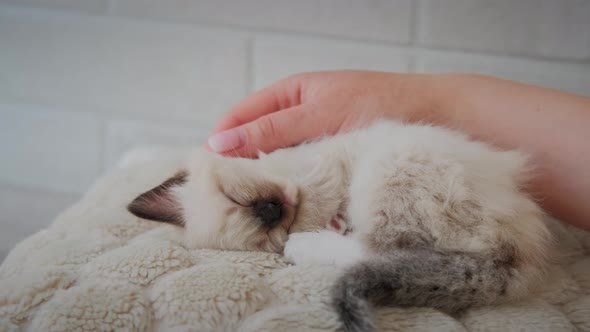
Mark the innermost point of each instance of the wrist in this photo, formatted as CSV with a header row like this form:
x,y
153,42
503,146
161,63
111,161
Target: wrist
x,y
449,98
425,98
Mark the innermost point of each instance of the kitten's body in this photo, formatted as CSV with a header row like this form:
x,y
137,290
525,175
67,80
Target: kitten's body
x,y
432,219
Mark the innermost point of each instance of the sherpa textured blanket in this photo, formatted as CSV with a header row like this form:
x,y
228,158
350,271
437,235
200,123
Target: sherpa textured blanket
x,y
98,268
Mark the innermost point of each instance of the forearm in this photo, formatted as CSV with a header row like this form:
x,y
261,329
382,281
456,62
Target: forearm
x,y
552,126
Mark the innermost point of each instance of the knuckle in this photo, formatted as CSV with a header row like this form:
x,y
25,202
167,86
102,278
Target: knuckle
x,y
267,127
298,77
231,119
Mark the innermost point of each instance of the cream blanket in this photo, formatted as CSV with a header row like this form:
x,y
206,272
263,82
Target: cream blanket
x,y
98,268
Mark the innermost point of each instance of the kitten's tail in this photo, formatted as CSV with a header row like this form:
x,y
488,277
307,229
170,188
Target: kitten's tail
x,y
450,282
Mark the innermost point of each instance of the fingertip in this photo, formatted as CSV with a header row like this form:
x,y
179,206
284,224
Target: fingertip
x,y
227,140
242,152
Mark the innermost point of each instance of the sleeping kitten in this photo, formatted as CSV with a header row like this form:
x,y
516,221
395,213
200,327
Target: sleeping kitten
x,y
418,215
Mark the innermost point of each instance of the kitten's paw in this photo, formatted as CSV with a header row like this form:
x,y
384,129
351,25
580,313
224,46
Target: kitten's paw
x,y
297,249
325,247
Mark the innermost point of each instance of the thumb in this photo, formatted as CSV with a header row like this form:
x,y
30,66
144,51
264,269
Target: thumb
x,y
267,133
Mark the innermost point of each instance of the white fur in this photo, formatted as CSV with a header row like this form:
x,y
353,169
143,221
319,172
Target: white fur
x,y
98,267
324,247
473,171
390,170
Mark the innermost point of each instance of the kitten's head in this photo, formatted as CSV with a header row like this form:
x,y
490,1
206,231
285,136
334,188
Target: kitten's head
x,y
232,203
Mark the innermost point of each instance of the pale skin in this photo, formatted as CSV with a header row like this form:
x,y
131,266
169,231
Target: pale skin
x,y
553,127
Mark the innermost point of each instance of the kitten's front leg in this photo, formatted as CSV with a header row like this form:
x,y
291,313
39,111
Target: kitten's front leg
x,y
324,247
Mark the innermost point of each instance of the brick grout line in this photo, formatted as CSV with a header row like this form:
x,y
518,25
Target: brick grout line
x,y
412,63
415,22
39,190
250,65
419,49
102,146
110,4
414,26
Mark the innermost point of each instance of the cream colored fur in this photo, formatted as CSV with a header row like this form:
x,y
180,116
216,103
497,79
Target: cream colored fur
x,y
99,268
465,195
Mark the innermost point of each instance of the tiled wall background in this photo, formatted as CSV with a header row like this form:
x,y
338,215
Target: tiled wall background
x,y
81,81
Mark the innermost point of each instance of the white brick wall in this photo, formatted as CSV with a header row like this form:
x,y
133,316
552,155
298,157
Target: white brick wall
x,y
89,6
123,136
49,149
387,20
108,65
82,81
277,57
25,211
572,77
533,27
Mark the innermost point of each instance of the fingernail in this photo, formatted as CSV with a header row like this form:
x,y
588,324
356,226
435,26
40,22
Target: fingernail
x,y
226,140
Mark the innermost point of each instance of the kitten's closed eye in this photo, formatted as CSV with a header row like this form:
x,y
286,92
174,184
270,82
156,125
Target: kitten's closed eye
x,y
268,210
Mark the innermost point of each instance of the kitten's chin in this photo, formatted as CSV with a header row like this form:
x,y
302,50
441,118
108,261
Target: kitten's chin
x,y
274,245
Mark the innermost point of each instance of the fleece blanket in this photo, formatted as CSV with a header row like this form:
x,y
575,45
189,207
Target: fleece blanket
x,y
98,268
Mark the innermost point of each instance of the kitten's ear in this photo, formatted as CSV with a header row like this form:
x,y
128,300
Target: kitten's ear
x,y
160,203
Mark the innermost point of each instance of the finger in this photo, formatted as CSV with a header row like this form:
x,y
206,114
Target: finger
x,y
276,130
280,95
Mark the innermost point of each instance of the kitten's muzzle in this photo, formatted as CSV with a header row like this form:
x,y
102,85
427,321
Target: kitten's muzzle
x,y
269,211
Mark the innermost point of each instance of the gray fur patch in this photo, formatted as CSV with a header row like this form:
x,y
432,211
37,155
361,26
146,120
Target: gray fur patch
x,y
450,282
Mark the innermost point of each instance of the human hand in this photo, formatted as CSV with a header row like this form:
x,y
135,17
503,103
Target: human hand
x,y
309,105
550,125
